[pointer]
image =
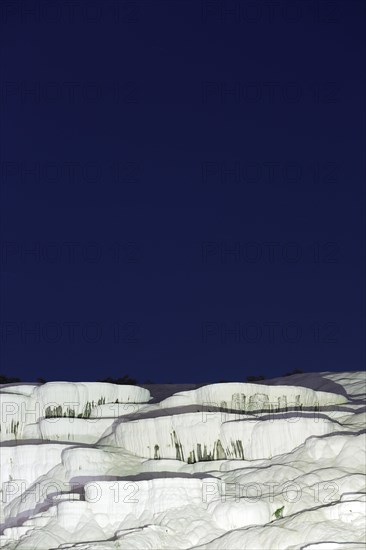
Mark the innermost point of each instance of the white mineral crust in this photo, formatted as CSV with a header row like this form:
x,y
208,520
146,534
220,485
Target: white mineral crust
x,y
95,466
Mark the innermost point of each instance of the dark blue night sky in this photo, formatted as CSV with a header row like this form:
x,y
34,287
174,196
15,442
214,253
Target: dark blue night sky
x,y
182,188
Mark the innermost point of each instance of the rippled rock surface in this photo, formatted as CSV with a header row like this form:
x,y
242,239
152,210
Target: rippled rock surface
x,y
275,465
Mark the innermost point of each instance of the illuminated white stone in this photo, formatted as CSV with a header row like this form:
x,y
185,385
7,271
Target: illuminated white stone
x,y
236,466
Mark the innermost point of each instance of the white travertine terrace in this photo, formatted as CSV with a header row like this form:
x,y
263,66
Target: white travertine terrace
x,y
248,397
23,407
94,466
